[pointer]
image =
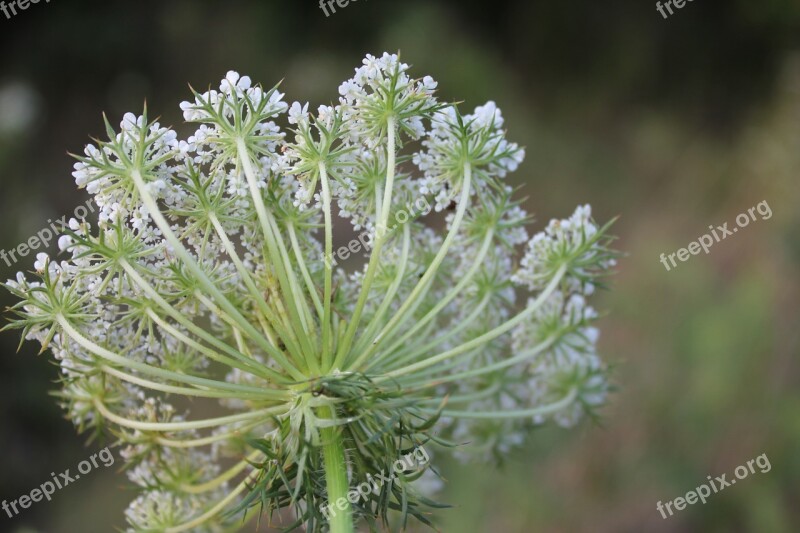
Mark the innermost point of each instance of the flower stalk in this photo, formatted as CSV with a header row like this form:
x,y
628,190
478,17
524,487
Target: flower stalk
x,y
338,485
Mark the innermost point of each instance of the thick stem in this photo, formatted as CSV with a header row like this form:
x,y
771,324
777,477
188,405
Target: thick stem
x,y
336,477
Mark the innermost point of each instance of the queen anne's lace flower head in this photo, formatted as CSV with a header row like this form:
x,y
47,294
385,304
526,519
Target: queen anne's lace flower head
x,y
381,97
213,274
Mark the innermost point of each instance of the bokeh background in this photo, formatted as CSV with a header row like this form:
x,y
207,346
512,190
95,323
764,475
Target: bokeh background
x,y
672,124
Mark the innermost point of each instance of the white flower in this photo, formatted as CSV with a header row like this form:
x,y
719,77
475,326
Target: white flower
x,y
234,83
213,278
298,114
64,242
41,261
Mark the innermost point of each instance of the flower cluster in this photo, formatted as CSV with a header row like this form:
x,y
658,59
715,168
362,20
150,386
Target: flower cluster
x,y
205,278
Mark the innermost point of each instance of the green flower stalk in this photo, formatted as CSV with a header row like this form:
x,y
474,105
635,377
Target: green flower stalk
x,y
207,324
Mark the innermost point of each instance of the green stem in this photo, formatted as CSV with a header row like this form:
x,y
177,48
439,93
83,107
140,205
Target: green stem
x,y
144,368
243,272
204,281
301,263
415,297
216,509
483,370
416,351
483,339
327,346
259,370
454,292
254,292
169,427
336,476
187,391
381,232
275,247
375,322
542,410
239,433
226,476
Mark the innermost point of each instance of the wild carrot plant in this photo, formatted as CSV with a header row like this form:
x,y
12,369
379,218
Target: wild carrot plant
x,y
205,324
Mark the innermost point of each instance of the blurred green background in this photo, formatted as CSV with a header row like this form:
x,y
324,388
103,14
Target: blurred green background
x,y
673,124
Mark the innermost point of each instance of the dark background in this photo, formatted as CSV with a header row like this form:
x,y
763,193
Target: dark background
x,y
673,124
